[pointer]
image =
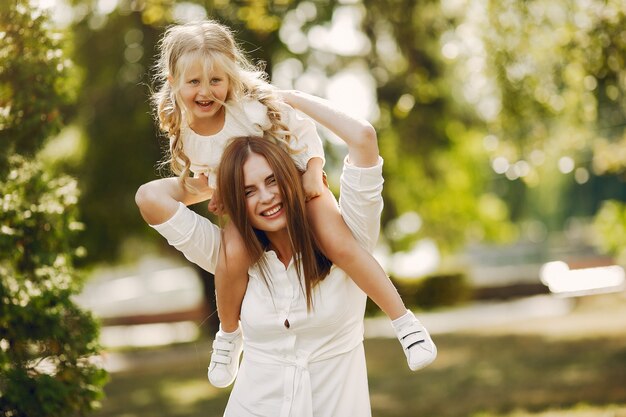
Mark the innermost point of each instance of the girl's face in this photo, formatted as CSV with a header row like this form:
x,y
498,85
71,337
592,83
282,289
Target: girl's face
x,y
263,198
203,93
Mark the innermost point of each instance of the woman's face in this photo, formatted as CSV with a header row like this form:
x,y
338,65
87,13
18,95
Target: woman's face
x,y
263,198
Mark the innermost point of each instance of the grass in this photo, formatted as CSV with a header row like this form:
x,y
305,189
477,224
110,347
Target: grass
x,y
499,372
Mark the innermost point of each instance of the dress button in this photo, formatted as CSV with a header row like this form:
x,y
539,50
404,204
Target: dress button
x,y
286,323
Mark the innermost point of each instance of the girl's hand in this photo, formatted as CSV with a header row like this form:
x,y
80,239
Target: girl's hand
x,y
313,184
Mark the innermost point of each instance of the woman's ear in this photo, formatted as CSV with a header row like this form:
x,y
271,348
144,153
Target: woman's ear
x,y
170,80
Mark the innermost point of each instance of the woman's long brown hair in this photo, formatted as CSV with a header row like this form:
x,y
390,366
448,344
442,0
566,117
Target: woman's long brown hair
x,y
311,265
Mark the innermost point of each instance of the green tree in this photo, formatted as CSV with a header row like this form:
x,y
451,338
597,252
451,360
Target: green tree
x,y
34,89
461,87
48,345
558,75
533,90
430,137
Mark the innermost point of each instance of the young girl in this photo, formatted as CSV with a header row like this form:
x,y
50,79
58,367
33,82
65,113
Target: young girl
x,y
210,93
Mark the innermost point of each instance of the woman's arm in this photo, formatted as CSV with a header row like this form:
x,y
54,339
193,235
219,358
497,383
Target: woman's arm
x,y
161,203
158,200
358,134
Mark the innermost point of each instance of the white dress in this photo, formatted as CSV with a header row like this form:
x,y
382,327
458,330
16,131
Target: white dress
x,y
249,118
316,367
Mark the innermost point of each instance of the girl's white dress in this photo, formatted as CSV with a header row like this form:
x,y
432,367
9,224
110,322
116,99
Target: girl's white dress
x,y
249,118
316,366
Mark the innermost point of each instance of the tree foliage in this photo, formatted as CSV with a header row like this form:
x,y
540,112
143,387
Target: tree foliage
x,y
558,79
35,89
610,225
481,105
533,88
431,141
47,343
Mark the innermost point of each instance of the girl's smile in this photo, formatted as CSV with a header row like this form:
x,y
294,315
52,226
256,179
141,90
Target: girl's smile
x,y
203,93
205,103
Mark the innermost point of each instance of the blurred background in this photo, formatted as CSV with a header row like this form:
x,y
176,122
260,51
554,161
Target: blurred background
x,y
502,125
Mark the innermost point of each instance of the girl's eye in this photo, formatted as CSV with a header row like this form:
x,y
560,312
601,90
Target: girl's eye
x,y
249,193
194,82
215,80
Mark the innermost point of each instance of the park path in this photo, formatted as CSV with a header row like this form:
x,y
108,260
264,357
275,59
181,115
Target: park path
x,y
543,314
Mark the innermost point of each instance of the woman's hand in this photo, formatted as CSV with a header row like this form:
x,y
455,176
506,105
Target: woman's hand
x,y
313,184
313,178
200,186
215,205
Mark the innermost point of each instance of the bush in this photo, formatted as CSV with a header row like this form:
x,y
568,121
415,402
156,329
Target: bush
x,y
609,225
442,290
47,344
430,292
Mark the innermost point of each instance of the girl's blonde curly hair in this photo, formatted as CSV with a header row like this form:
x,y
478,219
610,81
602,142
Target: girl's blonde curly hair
x,y
212,44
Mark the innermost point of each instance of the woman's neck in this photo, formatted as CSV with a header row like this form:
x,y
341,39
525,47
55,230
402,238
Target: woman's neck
x,y
280,243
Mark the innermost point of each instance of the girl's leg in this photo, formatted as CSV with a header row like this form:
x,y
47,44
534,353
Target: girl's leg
x,y
231,278
340,246
231,281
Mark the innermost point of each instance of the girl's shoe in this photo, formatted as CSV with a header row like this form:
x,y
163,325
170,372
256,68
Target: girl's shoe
x,y
419,348
224,364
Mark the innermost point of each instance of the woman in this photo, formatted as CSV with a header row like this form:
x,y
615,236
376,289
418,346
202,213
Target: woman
x,y
302,322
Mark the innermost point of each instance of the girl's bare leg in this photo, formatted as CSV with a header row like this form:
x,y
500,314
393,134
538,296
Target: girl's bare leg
x,y
340,246
231,278
231,281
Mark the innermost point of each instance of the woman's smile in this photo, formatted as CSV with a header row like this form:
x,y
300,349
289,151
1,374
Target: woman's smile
x,y
273,211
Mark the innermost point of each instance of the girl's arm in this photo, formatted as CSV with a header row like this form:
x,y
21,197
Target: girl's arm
x,y
158,200
358,134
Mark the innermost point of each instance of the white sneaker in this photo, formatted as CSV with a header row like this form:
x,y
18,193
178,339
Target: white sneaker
x,y
224,364
419,348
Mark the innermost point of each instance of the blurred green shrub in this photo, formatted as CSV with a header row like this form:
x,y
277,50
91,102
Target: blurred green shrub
x,y
442,290
47,343
439,290
609,225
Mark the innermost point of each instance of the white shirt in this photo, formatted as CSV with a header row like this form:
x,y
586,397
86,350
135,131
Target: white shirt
x,y
316,367
249,118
